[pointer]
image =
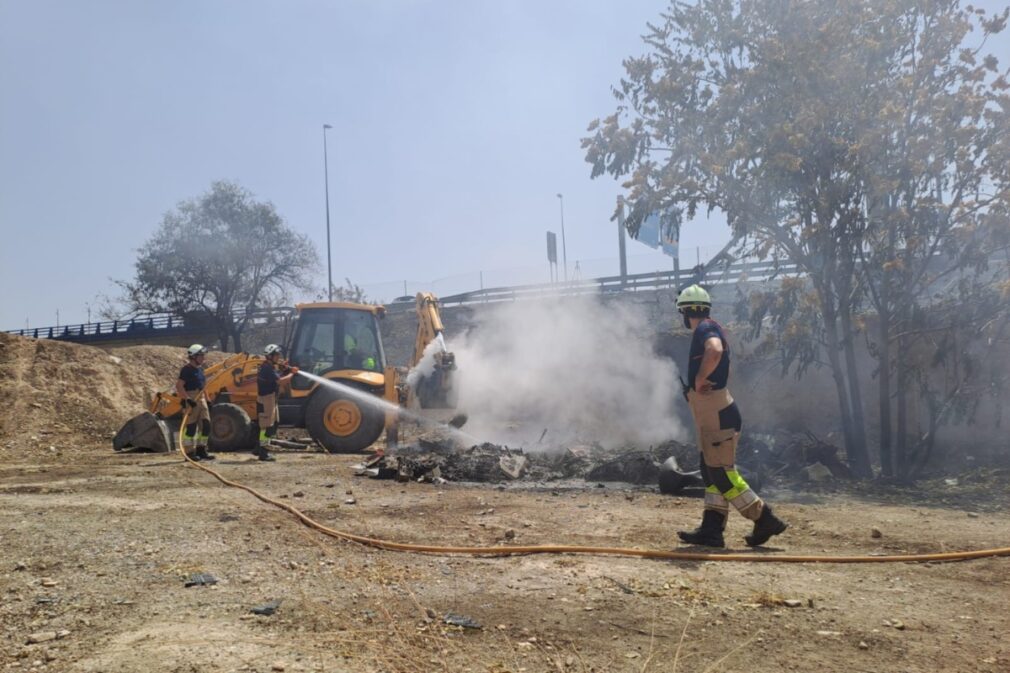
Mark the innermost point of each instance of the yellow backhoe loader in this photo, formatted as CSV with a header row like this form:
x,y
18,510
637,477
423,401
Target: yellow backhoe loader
x,y
338,341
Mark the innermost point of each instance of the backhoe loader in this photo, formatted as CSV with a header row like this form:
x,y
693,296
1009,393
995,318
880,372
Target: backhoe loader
x,y
338,341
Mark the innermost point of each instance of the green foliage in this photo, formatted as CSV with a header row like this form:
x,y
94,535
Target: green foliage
x,y
858,139
220,252
349,292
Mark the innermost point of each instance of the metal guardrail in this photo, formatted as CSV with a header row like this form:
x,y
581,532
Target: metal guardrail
x,y
154,325
656,280
164,324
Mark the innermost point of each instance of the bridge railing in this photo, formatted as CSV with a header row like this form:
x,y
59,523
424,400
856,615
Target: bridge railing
x,y
165,324
159,324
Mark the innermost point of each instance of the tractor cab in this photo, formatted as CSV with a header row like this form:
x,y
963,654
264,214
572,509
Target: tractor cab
x,y
336,337
340,342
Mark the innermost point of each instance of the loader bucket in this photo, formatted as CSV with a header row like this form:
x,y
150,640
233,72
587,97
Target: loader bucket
x,y
145,432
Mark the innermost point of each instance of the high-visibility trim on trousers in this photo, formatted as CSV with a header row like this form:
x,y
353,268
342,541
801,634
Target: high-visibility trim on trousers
x,y
194,435
718,423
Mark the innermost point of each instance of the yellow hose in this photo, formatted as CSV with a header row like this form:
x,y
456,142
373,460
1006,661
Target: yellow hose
x,y
576,549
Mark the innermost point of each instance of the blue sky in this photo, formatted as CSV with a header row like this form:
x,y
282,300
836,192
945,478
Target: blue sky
x,y
455,124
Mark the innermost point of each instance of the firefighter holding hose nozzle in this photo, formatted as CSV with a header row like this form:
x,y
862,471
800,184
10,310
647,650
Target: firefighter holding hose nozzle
x,y
272,374
718,423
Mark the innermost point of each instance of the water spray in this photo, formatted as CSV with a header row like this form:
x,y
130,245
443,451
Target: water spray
x,y
377,402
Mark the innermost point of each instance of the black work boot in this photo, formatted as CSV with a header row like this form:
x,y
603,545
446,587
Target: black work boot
x,y
262,453
709,533
766,525
201,454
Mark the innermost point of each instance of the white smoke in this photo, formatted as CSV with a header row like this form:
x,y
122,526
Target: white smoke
x,y
426,365
581,369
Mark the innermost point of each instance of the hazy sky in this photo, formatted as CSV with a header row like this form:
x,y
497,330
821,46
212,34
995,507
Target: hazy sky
x,y
455,123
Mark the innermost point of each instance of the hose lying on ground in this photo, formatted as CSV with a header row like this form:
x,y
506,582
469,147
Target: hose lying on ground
x,y
753,557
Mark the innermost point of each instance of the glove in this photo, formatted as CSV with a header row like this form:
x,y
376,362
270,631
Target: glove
x,y
189,404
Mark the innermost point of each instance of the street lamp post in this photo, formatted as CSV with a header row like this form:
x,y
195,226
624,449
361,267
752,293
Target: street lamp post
x,y
329,257
564,248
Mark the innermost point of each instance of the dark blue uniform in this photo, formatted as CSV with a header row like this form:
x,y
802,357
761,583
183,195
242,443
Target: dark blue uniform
x,y
707,329
266,381
192,377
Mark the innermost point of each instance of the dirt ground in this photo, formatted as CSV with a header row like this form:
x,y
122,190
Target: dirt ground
x,y
96,549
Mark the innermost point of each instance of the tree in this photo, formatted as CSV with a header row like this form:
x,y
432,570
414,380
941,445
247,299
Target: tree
x,y
349,292
937,192
769,111
218,257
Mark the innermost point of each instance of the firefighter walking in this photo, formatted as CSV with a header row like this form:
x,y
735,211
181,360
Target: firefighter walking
x,y
718,423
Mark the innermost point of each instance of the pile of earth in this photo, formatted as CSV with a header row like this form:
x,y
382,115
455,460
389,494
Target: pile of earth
x,y
61,397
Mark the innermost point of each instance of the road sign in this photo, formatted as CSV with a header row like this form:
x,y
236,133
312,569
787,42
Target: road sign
x,y
552,247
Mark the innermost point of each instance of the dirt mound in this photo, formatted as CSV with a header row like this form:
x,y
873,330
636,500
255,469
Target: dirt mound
x,y
69,397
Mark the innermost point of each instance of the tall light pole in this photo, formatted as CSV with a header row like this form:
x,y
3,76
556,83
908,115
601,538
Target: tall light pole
x,y
329,257
564,248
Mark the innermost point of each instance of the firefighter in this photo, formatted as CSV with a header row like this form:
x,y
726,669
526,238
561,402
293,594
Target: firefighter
x,y
189,387
268,381
717,423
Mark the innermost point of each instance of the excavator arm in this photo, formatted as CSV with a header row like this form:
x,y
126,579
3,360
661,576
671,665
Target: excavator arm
x,y
432,376
232,380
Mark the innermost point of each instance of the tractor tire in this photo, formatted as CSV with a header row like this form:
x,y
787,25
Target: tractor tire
x,y
341,423
230,429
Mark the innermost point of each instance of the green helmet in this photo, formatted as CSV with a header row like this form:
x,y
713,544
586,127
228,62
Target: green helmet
x,y
693,296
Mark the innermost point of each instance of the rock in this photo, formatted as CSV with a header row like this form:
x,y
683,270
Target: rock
x,y
898,624
62,633
266,609
350,501
20,566
875,533
200,580
48,582
510,534
278,666
512,465
42,637
298,494
817,472
792,603
973,515
461,620
863,645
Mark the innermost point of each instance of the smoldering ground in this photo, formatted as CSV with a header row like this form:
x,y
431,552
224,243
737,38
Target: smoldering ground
x,y
581,368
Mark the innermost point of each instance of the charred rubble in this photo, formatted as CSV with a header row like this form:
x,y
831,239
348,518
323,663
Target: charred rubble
x,y
672,466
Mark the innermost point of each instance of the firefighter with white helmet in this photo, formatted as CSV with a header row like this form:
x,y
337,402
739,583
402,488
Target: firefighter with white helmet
x,y
189,386
718,423
268,381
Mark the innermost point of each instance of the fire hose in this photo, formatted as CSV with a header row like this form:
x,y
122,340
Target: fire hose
x,y
580,549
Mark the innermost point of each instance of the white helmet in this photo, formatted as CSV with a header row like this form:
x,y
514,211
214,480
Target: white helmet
x,y
196,349
273,348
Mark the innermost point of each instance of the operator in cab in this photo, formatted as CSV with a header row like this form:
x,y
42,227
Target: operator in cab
x,y
189,387
718,423
268,382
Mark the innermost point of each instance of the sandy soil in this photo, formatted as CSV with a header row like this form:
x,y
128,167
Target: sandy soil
x,y
96,548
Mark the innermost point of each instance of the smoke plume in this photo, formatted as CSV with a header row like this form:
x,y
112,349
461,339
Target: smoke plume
x,y
583,370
